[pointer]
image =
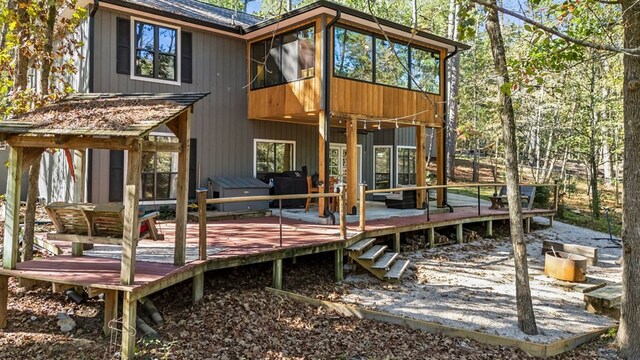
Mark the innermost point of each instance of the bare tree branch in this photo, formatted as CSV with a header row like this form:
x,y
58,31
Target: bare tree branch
x,y
550,30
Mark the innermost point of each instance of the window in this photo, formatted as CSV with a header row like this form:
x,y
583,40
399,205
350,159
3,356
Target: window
x,y
371,58
425,70
273,156
382,167
290,57
155,51
353,54
389,70
406,166
159,172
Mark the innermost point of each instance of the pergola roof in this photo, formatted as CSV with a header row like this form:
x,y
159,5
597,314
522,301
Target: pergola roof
x,y
103,115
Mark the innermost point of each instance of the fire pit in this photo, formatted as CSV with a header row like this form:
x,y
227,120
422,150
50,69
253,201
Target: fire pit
x,y
565,266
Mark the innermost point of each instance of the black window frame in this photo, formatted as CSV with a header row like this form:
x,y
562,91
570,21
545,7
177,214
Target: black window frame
x,y
155,173
274,143
410,86
156,51
278,41
410,176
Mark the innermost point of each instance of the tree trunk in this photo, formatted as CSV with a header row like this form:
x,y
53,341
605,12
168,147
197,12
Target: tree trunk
x,y
593,146
526,316
22,59
628,339
454,80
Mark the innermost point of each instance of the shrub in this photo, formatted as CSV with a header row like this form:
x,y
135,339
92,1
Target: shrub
x,y
542,197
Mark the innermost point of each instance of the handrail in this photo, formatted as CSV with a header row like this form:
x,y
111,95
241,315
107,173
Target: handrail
x,y
203,201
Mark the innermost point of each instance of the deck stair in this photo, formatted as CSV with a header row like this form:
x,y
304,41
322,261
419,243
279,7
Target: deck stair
x,y
384,264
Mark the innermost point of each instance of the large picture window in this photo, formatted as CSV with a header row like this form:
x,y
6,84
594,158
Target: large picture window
x,y
155,51
382,164
353,54
288,57
273,156
159,172
368,57
406,166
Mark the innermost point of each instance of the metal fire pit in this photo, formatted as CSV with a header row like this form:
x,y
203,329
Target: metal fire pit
x,y
565,266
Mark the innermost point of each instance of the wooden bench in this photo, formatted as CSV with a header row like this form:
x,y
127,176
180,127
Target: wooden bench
x,y
527,195
95,223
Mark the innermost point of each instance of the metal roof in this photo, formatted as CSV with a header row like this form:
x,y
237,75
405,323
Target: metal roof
x,y
92,114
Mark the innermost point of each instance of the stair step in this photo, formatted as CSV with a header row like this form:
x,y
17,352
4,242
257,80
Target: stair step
x,y
361,245
397,270
385,261
373,253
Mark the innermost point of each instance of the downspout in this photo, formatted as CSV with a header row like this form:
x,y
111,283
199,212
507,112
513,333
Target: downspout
x,y
327,102
89,166
445,119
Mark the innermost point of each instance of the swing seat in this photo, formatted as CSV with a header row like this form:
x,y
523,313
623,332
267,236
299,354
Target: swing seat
x,y
95,223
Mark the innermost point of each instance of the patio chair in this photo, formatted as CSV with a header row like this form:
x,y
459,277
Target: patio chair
x,y
95,223
310,190
527,195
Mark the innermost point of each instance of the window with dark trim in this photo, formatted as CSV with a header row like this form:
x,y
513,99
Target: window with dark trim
x,y
406,166
156,51
159,172
382,167
369,57
284,58
273,156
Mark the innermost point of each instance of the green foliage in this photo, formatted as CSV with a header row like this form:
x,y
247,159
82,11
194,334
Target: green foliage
x,y
542,198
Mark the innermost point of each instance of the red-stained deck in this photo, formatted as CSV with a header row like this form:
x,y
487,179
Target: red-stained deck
x,y
236,242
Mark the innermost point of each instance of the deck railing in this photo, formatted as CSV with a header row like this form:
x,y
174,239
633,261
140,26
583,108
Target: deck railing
x,y
203,201
363,192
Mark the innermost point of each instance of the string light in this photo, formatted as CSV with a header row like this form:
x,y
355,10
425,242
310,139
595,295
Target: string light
x,y
379,124
397,124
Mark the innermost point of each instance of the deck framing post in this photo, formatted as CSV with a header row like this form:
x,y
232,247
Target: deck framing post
x,y
78,196
440,165
551,221
489,227
396,242
110,310
343,213
277,274
421,165
182,188
131,227
363,207
431,236
198,287
459,233
202,224
12,208
352,165
339,264
129,314
322,148
4,300
527,225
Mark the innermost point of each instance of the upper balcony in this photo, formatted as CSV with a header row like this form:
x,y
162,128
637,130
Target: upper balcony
x,y
391,80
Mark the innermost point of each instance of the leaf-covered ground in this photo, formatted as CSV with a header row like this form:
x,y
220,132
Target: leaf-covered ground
x,y
239,319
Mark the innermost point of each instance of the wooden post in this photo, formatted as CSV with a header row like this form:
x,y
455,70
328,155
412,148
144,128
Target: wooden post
x,y
322,148
431,236
421,165
527,223
551,221
352,165
78,194
363,207
489,227
198,287
440,163
459,234
131,231
556,196
12,208
343,213
339,264
129,314
202,224
396,242
4,300
110,310
277,274
182,189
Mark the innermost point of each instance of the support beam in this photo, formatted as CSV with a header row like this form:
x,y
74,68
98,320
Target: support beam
x,y
440,164
129,314
551,221
322,148
396,242
12,208
202,224
110,310
4,300
131,227
352,165
198,287
277,274
182,189
78,193
489,227
431,236
459,234
421,165
527,225
339,264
